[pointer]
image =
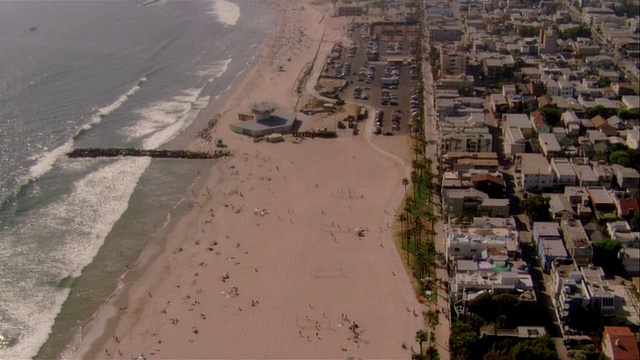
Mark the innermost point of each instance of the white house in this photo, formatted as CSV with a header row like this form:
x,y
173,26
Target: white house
x,y
571,123
535,172
553,89
549,144
563,171
633,139
566,88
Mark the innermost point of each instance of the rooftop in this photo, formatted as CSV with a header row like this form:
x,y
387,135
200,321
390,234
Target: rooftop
x,y
533,164
621,341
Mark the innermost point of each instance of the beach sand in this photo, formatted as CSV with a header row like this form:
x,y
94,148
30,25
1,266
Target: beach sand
x,y
266,264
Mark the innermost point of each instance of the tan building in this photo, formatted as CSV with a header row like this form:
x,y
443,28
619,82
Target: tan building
x,y
452,61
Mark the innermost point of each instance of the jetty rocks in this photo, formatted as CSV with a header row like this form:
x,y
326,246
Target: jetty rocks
x,y
169,154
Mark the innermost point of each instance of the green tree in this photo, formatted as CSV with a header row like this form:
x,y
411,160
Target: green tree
x,y
462,340
620,157
598,110
432,353
551,115
537,207
421,337
528,31
605,255
629,114
576,32
604,82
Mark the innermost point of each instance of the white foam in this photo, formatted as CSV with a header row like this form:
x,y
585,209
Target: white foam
x,y
79,223
225,12
45,161
106,110
163,120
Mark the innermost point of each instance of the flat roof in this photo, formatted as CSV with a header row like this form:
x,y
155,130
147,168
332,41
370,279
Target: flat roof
x,y
546,229
549,142
599,195
534,164
554,248
575,234
563,167
585,173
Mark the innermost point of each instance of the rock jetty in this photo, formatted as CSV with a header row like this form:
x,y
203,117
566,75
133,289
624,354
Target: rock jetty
x,y
170,154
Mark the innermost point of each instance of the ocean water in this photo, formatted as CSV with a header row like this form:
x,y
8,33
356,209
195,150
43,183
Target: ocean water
x,y
99,74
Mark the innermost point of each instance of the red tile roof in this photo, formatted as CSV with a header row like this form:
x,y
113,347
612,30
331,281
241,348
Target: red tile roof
x,y
622,343
628,204
486,177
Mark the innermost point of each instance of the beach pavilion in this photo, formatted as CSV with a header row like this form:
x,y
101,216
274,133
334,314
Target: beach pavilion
x,y
265,119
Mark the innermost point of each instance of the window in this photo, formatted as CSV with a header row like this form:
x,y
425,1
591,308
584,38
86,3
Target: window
x,y
456,250
474,250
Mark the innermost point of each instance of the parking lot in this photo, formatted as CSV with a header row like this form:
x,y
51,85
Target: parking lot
x,y
385,85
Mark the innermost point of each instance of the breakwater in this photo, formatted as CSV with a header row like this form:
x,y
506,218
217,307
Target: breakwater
x,y
168,154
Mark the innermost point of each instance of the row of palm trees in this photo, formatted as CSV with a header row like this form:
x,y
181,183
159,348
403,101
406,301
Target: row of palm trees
x,y
417,221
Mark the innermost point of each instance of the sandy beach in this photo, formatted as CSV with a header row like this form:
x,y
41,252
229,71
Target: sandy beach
x,y
266,264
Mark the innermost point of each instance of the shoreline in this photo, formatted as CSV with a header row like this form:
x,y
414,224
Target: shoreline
x,y
188,251
106,316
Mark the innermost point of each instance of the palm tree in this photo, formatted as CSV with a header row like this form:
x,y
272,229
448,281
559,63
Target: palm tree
x,y
421,337
421,261
419,226
432,353
405,183
415,181
402,217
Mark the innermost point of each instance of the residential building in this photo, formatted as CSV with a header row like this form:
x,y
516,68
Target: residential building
x,y
619,343
628,207
548,242
627,178
577,242
497,68
633,139
444,33
549,144
520,121
569,292
602,202
577,195
492,185
585,174
459,201
535,172
559,207
571,123
538,122
498,103
621,230
553,89
452,61
486,237
466,139
605,175
631,102
514,141
566,88
549,41
630,257
563,171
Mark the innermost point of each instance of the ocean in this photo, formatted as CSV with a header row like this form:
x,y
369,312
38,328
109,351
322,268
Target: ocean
x,y
100,74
